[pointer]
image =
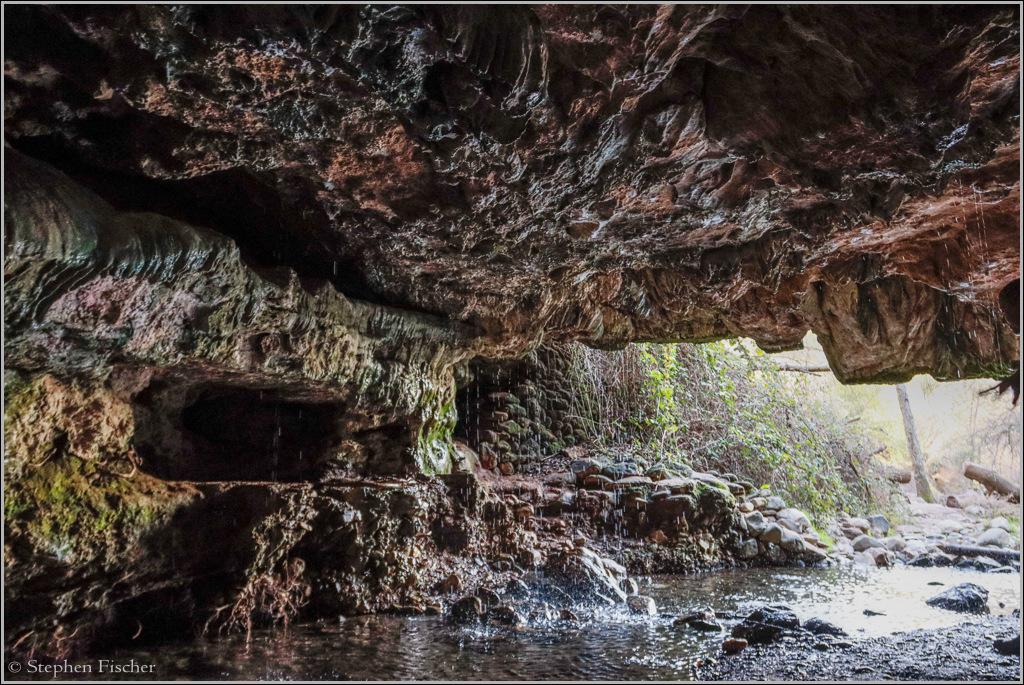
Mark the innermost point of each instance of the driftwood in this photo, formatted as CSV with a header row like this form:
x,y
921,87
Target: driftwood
x,y
1000,555
992,481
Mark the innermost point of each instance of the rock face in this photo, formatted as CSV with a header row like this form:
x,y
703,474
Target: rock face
x,y
597,173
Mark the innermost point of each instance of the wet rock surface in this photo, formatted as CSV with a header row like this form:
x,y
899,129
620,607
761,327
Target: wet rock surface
x,y
965,598
591,173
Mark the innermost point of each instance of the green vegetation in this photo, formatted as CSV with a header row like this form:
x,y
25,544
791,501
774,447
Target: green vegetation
x,y
727,407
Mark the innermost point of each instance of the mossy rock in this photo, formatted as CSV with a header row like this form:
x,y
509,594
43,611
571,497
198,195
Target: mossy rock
x,y
516,410
511,428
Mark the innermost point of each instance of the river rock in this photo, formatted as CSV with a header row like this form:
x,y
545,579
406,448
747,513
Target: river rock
x,y
506,616
745,507
705,625
642,605
863,542
814,554
1009,646
895,544
756,524
773,553
584,573
966,598
879,523
632,481
863,559
772,533
734,645
747,549
881,556
597,481
453,583
790,525
774,503
819,627
670,508
623,469
581,468
1000,522
995,537
863,525
766,624
795,516
791,542
466,611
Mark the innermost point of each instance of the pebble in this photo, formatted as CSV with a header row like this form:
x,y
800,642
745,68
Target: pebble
x,y
734,645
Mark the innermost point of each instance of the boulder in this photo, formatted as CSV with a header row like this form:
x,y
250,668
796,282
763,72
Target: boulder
x,y
879,523
863,542
631,482
466,611
795,516
596,481
678,486
775,503
995,537
747,549
583,572
861,524
791,542
766,624
965,598
581,468
669,509
895,544
1009,646
1000,522
817,626
641,605
772,533
881,556
756,524
506,616
621,470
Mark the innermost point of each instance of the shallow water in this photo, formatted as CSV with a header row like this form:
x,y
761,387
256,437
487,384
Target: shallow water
x,y
607,644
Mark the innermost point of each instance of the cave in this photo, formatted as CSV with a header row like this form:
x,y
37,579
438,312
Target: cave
x,y
293,284
244,434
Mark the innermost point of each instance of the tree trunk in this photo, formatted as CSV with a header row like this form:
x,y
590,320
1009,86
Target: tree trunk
x,y
924,488
992,481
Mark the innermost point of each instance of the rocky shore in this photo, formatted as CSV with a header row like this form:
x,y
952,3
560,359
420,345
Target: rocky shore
x,y
967,652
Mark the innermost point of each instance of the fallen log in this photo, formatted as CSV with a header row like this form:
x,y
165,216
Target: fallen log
x,y
992,481
1000,555
899,475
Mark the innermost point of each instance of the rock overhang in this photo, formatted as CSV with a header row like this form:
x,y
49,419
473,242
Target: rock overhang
x,y
603,174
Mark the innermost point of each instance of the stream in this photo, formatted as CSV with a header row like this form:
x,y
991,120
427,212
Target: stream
x,y
608,643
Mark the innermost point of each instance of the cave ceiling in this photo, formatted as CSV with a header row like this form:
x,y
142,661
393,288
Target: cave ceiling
x,y
598,173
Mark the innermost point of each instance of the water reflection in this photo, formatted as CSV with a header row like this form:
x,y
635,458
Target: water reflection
x,y
607,644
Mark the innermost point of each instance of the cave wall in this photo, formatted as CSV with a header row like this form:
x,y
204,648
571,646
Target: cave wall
x,y
162,312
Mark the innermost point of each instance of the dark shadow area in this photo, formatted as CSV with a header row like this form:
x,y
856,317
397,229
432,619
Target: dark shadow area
x,y
229,433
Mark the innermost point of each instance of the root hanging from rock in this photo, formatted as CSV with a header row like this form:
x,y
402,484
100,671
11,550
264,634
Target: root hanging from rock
x,y
275,590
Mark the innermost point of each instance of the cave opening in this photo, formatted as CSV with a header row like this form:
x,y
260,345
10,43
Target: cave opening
x,y
230,433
